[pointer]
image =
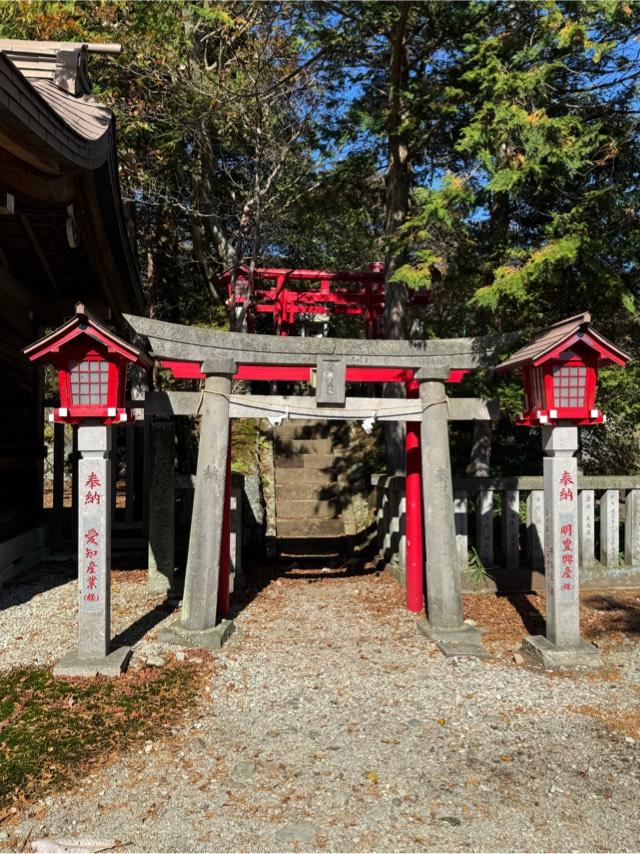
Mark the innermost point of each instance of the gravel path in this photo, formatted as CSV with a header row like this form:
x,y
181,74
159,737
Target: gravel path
x,y
331,723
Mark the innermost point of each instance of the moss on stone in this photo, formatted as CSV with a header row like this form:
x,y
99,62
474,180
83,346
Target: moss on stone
x,y
51,728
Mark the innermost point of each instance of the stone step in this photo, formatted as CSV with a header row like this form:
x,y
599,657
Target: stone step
x,y
307,461
305,528
303,491
303,476
311,547
289,447
309,510
299,429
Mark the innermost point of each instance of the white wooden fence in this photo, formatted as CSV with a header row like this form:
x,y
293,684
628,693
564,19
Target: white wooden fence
x,y
502,518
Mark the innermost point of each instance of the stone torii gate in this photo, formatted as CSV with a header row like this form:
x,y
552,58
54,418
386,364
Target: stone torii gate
x,y
218,357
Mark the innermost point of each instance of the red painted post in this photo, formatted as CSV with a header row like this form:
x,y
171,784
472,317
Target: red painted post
x,y
413,519
225,543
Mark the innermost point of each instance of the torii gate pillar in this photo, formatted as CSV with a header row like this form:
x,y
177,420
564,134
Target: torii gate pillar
x,y
198,625
445,624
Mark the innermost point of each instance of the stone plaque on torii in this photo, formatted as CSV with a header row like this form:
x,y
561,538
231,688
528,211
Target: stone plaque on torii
x,y
218,357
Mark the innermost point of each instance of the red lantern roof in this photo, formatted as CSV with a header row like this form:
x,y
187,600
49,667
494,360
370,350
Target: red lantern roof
x,y
84,323
550,342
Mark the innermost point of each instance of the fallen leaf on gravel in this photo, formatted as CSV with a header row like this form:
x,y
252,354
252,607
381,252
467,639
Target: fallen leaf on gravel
x,y
76,846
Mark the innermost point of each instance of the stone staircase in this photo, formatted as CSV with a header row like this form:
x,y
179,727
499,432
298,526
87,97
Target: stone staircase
x,y
308,520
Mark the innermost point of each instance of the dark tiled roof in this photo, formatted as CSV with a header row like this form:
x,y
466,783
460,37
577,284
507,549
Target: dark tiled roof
x,y
547,340
45,87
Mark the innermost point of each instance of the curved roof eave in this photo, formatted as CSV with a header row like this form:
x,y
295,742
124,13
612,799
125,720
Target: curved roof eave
x,y
26,109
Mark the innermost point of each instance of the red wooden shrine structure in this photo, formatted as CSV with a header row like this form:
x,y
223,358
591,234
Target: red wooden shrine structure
x,y
281,292
287,293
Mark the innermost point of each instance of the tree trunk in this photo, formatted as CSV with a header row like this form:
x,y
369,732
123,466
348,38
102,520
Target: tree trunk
x,y
398,185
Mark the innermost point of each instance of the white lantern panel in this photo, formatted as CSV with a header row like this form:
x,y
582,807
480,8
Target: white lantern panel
x,y
569,385
89,383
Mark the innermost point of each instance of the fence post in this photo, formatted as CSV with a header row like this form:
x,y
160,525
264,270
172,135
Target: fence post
x,y
610,528
58,486
392,541
484,526
535,529
632,528
237,576
511,529
162,504
460,509
586,517
402,529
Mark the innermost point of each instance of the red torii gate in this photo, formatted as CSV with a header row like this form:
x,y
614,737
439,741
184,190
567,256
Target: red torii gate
x,y
280,292
286,293
413,483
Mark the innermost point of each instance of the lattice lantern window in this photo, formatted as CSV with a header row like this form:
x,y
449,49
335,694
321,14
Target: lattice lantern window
x,y
89,382
569,386
561,388
92,382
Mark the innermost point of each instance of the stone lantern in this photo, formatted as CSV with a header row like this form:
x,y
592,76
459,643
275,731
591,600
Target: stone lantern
x,y
92,369
560,369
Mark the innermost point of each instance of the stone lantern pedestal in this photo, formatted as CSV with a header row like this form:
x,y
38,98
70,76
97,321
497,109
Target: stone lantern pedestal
x,y
562,646
93,654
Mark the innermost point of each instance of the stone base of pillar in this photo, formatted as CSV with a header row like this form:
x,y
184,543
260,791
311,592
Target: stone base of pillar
x,y
113,664
214,638
461,640
542,651
159,585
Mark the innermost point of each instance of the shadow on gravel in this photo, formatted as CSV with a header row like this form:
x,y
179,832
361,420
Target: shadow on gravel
x,y
302,569
39,579
619,615
49,574
136,631
532,619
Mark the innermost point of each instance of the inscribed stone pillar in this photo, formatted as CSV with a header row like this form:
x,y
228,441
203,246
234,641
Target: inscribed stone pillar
x,y
632,528
586,518
94,541
561,535
444,599
535,528
93,654
562,645
161,507
610,528
237,582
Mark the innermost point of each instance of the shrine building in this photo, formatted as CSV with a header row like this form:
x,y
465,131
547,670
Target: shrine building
x,y
64,237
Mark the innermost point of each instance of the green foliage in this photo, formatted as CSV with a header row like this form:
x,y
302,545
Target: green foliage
x,y
244,443
267,132
476,570
50,728
545,147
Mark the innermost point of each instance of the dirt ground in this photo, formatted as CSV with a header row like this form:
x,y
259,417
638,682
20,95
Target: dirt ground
x,y
330,723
